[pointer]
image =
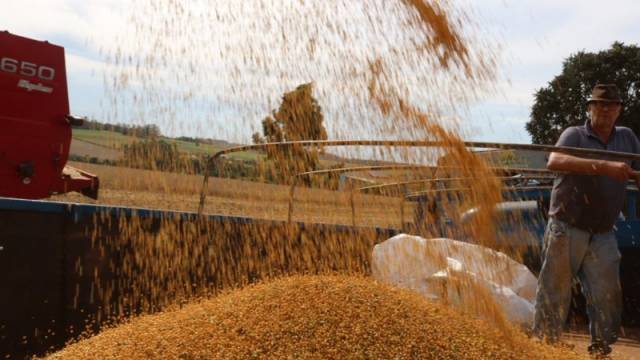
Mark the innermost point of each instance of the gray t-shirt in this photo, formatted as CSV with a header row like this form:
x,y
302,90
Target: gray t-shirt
x,y
592,202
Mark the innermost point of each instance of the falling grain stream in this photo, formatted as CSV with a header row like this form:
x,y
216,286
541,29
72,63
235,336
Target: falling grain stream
x,y
384,69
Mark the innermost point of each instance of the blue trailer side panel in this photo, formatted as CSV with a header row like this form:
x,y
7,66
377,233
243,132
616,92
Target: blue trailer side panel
x,y
66,267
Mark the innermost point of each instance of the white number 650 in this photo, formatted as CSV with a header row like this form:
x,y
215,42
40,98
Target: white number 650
x,y
27,69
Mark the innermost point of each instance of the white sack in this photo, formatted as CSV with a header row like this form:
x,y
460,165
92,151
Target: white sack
x,y
438,267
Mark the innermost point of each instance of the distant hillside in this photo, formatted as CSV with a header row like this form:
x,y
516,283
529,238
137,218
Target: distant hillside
x,y
108,145
100,145
81,149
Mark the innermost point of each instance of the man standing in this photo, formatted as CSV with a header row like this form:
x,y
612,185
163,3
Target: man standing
x,y
579,239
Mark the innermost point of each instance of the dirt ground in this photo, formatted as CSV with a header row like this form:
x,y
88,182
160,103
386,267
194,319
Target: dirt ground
x,y
625,349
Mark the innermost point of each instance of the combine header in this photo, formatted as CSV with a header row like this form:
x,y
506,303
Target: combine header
x,y
35,124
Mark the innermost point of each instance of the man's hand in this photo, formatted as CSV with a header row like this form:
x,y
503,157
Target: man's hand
x,y
637,179
618,170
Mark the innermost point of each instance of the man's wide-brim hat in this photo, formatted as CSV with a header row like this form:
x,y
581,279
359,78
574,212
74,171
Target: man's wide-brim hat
x,y
605,92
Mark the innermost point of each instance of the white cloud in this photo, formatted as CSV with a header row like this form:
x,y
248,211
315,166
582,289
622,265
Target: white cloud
x,y
78,20
536,36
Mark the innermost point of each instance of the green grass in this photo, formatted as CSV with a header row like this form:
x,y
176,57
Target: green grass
x,y
193,148
108,139
115,140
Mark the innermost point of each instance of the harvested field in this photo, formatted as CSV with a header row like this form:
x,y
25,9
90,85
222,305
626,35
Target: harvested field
x,y
88,149
153,189
104,138
311,317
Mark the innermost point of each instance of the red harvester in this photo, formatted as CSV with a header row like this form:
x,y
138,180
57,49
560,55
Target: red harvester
x,y
35,124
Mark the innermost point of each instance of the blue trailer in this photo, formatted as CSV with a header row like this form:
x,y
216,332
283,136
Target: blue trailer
x,y
62,265
66,268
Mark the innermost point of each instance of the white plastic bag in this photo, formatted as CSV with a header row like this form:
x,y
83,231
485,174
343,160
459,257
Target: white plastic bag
x,y
457,272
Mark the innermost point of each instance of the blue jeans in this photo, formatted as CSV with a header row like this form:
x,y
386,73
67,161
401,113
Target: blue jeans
x,y
594,259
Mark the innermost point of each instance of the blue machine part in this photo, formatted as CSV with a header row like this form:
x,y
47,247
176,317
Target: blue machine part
x,y
531,206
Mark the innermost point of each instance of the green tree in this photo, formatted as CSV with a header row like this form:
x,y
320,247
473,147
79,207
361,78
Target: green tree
x,y
563,102
299,117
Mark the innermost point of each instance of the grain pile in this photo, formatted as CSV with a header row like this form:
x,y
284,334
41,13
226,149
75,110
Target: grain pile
x,y
310,317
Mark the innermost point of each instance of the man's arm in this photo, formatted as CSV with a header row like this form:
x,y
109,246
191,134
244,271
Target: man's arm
x,y
635,164
615,169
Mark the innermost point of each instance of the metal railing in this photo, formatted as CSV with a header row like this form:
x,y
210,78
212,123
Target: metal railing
x,y
213,160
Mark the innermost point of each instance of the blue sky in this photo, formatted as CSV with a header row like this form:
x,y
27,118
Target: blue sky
x,y
535,37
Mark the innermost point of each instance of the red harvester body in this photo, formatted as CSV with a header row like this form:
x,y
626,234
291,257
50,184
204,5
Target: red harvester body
x,y
35,124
